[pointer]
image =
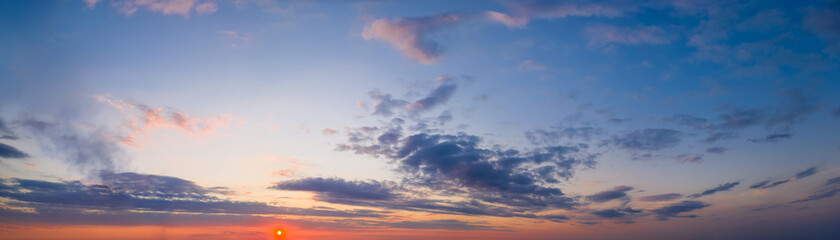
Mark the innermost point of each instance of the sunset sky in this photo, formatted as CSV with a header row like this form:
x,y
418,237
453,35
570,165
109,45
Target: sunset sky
x,y
216,119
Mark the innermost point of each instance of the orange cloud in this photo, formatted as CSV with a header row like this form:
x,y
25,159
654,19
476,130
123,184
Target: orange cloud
x,y
144,118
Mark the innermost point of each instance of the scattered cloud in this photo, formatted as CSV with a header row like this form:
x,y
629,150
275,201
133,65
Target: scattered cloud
x,y
719,188
771,138
121,192
334,189
440,95
768,184
660,197
531,65
522,12
619,192
143,118
7,151
604,34
718,150
412,36
674,210
808,172
166,7
648,139
86,148
237,39
556,134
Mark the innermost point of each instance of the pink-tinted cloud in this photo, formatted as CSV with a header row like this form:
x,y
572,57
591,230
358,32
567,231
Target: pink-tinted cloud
x,y
167,7
507,19
329,131
238,39
632,36
91,3
523,12
144,118
410,35
531,65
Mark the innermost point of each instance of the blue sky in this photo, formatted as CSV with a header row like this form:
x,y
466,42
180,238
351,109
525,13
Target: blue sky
x,y
495,119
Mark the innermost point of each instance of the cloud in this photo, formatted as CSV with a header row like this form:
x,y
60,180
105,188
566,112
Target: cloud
x,y
7,151
832,187
442,162
836,111
673,210
5,132
385,103
615,212
238,39
556,134
120,192
689,158
86,148
833,181
603,34
768,184
523,12
719,188
718,150
91,3
448,224
660,197
531,65
144,118
823,22
328,131
167,7
808,172
332,189
619,192
440,95
771,138
648,139
764,21
412,35
714,137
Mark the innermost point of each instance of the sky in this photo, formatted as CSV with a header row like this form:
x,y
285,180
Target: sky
x,y
210,119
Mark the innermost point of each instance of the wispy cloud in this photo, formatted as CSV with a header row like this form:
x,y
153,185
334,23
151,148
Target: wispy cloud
x,y
523,12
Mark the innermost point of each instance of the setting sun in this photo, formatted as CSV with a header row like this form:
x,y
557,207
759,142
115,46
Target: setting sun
x,y
279,232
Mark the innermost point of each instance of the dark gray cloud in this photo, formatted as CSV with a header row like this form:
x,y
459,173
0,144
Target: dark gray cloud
x,y
556,134
824,193
690,121
7,151
660,197
833,181
506,177
438,96
719,188
5,132
448,224
674,210
386,105
619,192
768,184
121,192
718,136
616,212
718,150
780,116
771,138
648,139
86,149
808,172
334,189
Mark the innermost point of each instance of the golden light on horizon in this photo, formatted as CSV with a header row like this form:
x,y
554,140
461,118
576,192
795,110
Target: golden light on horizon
x,y
279,232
